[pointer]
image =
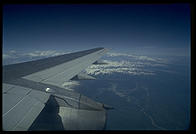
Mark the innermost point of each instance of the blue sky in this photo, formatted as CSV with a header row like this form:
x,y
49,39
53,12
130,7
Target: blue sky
x,y
143,29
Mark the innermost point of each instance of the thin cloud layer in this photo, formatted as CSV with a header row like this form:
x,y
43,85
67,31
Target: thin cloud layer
x,y
127,64
118,67
44,53
14,54
69,85
12,57
116,62
137,57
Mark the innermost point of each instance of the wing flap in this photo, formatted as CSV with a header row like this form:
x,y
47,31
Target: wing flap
x,y
12,96
30,116
20,114
80,119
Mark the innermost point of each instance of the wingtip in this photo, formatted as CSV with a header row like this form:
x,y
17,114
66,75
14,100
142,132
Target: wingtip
x,y
108,49
107,107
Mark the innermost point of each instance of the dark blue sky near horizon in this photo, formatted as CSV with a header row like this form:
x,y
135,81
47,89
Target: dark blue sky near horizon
x,y
143,29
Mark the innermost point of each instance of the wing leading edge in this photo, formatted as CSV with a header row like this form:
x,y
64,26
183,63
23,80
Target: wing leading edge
x,y
27,102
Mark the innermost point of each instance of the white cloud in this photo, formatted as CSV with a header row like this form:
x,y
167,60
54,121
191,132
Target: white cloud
x,y
127,64
118,54
6,56
146,58
70,84
43,53
12,56
137,57
133,65
113,88
126,67
33,54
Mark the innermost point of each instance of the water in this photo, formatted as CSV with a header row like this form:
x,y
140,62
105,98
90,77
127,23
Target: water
x,y
145,102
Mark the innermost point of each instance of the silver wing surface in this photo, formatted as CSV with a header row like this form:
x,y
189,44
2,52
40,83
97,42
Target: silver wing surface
x,y
34,98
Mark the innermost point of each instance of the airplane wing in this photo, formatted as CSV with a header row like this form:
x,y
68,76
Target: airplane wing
x,y
34,98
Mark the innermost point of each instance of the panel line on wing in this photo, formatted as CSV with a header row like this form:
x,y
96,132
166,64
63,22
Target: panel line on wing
x,y
5,92
17,103
24,117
